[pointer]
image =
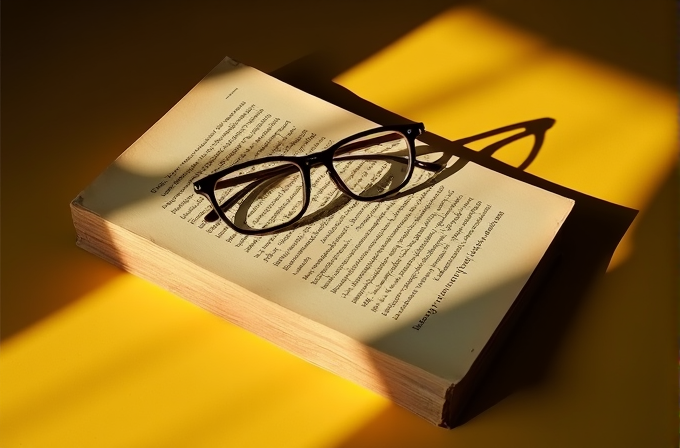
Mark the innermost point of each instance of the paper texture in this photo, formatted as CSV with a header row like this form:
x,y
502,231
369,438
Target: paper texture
x,y
426,278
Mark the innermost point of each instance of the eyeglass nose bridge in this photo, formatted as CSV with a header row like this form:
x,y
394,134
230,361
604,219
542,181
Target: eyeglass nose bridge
x,y
316,159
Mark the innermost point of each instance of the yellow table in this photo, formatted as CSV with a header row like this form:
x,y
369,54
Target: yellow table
x,y
94,357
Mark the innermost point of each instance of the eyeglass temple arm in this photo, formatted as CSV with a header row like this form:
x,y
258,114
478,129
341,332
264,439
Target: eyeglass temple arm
x,y
430,166
259,175
363,143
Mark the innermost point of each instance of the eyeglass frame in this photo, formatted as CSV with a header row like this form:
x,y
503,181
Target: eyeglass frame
x,y
208,185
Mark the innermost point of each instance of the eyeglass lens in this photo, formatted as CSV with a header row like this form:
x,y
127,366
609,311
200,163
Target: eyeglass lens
x,y
375,164
273,194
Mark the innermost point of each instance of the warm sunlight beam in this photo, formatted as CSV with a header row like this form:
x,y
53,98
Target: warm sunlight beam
x,y
175,375
168,377
466,72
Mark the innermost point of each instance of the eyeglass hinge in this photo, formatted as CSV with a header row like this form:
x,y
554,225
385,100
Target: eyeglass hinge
x,y
417,129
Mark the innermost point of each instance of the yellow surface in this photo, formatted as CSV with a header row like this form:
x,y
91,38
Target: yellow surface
x,y
615,135
93,357
166,379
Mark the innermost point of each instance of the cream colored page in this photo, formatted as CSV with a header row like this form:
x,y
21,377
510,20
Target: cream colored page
x,y
426,278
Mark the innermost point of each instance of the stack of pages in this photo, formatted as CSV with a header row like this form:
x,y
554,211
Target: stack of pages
x,y
407,296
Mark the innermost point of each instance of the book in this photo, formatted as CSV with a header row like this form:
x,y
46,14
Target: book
x,y
409,297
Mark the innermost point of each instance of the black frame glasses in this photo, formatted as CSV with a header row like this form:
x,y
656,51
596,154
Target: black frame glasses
x,y
272,169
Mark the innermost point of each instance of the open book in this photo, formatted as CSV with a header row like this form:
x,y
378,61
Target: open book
x,y
406,296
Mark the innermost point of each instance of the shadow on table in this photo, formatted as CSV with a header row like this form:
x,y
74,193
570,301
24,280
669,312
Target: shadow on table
x,y
529,352
579,255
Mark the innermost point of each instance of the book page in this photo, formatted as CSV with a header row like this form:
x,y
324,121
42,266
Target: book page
x,y
426,277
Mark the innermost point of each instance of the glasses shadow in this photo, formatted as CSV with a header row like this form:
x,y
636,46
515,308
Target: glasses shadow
x,y
586,242
314,73
451,161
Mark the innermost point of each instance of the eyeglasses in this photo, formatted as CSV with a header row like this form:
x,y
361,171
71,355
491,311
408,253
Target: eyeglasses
x,y
268,194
